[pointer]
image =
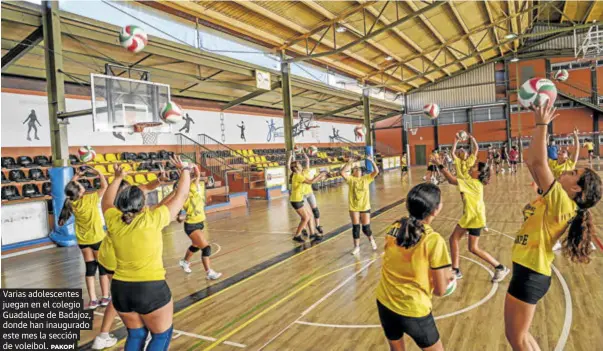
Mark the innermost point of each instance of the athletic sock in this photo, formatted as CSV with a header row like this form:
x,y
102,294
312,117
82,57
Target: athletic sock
x,y
104,335
500,267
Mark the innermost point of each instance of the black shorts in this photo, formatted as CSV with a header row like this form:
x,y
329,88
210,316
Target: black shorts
x,y
140,297
189,228
527,285
95,246
404,169
432,168
366,211
110,272
590,152
473,231
422,330
513,162
297,204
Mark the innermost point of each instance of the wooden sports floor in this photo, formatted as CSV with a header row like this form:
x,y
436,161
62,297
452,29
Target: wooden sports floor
x,y
278,295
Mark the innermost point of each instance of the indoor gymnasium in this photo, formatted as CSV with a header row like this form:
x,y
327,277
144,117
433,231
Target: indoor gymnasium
x,y
304,175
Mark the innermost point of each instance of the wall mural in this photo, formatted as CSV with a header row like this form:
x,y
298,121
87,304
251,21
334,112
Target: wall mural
x,y
232,129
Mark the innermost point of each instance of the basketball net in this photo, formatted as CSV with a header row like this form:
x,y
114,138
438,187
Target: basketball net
x,y
413,131
148,137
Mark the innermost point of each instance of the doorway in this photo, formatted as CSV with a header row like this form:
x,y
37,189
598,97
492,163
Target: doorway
x,y
420,155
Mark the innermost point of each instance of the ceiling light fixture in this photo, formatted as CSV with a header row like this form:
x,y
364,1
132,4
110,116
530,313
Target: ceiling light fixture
x,y
340,29
389,58
514,59
510,36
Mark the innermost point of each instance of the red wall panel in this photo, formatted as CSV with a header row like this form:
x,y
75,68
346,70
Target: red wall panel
x,y
446,134
391,138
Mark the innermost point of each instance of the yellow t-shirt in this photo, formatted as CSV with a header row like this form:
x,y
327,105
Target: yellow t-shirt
x,y
88,222
463,167
474,208
403,161
589,146
406,283
557,168
195,204
307,188
545,220
358,193
297,187
106,254
139,245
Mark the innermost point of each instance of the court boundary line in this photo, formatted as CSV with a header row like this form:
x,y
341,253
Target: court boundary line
x,y
212,291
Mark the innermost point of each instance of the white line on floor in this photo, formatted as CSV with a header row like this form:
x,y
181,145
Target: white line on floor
x,y
318,302
178,333
19,253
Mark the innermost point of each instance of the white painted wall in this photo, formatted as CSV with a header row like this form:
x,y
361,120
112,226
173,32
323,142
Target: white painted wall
x,y
17,107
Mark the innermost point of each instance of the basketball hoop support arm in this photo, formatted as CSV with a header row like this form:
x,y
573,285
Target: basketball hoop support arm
x,y
79,113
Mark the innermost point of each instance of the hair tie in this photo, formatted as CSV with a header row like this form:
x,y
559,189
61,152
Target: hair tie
x,y
581,210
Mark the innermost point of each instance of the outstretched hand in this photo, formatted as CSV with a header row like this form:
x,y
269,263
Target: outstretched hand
x,y
177,162
544,114
119,171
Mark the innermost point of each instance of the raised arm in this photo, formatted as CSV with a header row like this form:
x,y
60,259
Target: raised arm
x,y
576,153
474,145
454,145
163,178
344,171
536,159
375,171
175,203
111,192
449,177
103,183
289,160
307,160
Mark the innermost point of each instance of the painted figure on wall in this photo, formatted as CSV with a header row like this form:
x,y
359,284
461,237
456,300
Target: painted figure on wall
x,y
31,121
242,127
187,125
273,131
335,136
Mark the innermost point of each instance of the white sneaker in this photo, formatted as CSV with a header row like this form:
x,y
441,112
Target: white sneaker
x,y
186,266
486,229
557,246
373,244
213,275
356,250
502,171
103,343
500,274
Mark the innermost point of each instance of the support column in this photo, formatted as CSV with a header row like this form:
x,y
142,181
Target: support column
x,y
595,100
547,70
287,109
508,105
366,111
60,174
436,132
470,126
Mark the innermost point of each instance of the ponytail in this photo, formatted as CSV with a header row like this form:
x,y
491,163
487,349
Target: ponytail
x,y
577,245
410,232
128,217
72,193
130,201
484,173
422,202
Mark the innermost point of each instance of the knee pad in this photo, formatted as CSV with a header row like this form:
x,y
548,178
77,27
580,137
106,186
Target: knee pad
x,y
161,341
136,339
316,212
206,251
366,229
193,249
356,231
102,270
91,268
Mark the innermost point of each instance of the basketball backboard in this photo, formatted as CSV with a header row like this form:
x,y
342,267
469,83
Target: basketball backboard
x,y
119,103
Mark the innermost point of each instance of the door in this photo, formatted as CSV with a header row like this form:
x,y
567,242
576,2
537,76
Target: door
x,y
420,155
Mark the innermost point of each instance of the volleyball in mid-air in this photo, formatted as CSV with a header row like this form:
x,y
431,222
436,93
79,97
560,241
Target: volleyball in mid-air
x,y
86,153
537,91
298,149
171,113
360,130
312,150
133,38
432,111
450,289
561,75
462,135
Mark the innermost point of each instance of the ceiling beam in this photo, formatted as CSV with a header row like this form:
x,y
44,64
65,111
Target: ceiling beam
x,y
14,54
404,38
250,96
514,20
589,10
475,30
339,110
369,35
491,19
384,117
413,7
458,18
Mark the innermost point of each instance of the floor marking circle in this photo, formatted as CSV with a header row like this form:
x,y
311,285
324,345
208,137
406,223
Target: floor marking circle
x,y
451,314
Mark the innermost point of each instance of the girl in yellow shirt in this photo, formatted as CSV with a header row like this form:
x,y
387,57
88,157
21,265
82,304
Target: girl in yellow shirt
x,y
308,193
565,203
462,161
359,202
590,148
296,197
416,264
88,231
193,217
474,218
564,162
140,293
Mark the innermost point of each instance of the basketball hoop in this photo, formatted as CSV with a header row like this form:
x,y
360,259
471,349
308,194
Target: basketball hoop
x,y
413,131
148,138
